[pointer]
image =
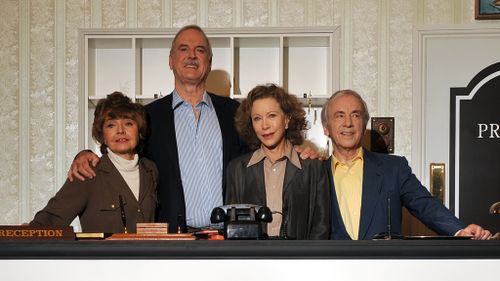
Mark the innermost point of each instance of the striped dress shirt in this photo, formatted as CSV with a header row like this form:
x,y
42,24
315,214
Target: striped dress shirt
x,y
199,144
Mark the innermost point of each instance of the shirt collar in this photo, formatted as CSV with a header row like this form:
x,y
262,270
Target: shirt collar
x,y
177,100
290,153
336,162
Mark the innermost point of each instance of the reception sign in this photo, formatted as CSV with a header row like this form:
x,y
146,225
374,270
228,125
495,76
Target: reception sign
x,y
475,148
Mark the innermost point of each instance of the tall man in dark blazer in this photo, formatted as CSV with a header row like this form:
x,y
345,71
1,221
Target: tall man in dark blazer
x,y
192,137
191,132
363,181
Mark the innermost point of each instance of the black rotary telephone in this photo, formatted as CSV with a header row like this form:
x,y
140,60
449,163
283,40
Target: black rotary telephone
x,y
242,221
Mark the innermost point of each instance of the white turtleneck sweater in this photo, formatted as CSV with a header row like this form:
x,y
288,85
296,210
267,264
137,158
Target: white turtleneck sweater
x,y
129,169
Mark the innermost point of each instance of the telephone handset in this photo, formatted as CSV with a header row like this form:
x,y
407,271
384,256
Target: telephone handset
x,y
242,221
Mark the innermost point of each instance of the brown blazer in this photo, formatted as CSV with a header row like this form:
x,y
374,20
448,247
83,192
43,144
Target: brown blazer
x,y
306,195
96,201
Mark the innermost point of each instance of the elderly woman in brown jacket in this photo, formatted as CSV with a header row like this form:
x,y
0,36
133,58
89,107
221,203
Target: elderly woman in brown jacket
x,y
124,188
272,121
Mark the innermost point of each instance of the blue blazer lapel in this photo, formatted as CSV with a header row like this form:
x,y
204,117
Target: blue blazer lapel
x,y
338,227
162,148
169,132
223,123
225,110
372,185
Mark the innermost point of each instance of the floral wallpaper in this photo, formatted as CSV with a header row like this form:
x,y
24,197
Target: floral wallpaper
x,y
184,12
366,35
292,12
149,13
114,13
77,15
41,97
9,111
256,13
220,13
438,12
365,52
400,71
323,12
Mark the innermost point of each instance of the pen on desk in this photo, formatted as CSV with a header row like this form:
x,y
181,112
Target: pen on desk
x,y
122,209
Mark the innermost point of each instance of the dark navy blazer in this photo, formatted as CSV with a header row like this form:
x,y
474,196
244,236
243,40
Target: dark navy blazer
x,y
387,176
161,147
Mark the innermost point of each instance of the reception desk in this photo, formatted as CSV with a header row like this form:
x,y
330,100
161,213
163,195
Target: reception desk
x,y
251,260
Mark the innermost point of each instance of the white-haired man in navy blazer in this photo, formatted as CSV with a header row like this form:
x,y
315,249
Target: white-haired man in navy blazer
x,y
363,181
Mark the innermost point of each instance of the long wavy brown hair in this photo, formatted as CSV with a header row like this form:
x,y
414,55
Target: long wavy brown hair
x,y
288,103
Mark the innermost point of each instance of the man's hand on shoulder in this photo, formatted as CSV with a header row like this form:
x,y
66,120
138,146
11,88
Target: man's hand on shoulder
x,y
83,166
476,231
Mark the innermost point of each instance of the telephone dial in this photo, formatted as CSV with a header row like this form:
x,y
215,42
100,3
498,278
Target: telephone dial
x,y
242,221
